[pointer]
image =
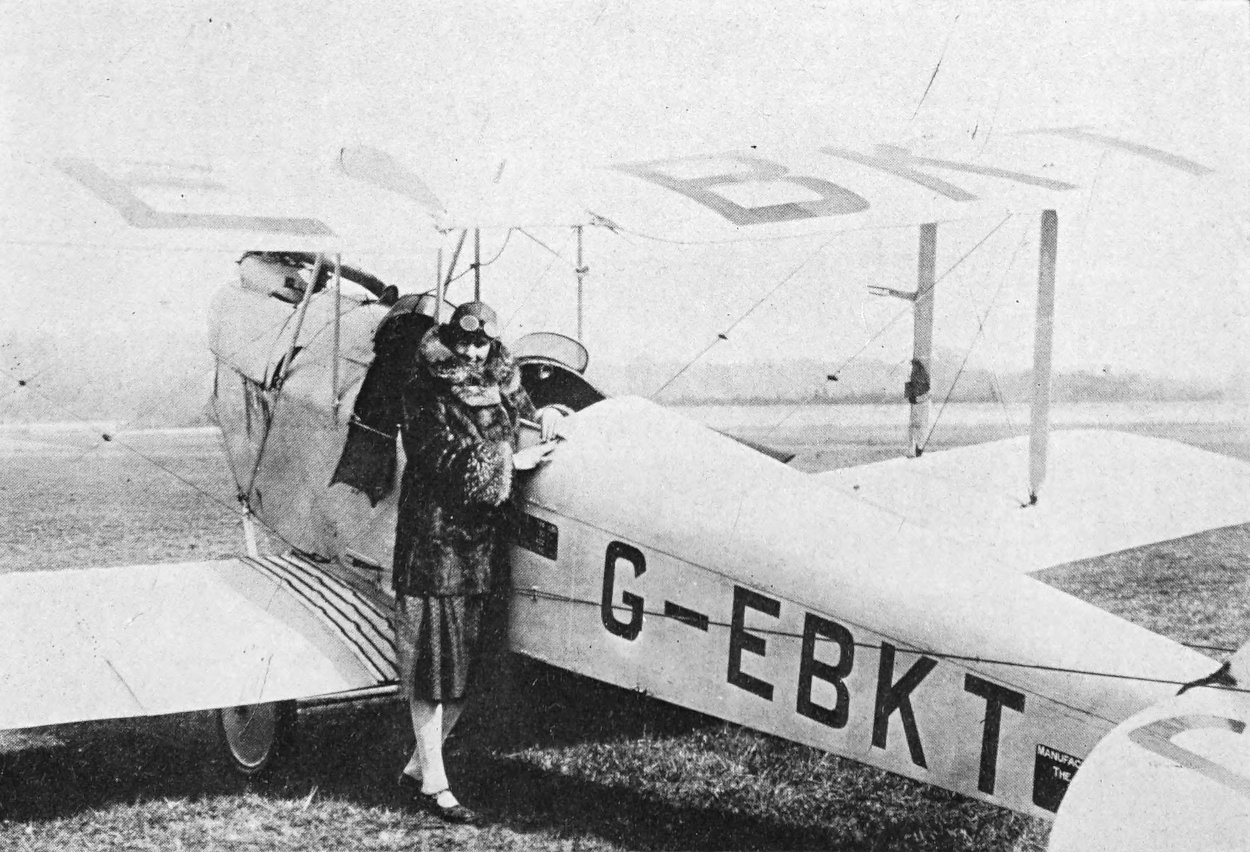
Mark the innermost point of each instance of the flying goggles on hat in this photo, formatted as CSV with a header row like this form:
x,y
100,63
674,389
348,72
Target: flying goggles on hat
x,y
475,318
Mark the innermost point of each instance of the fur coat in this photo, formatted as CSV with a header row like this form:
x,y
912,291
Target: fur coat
x,y
459,431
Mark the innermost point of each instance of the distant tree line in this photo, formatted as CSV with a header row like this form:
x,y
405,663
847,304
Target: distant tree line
x,y
48,384
875,382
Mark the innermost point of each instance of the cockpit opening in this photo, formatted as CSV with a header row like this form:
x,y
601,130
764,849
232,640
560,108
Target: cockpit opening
x,y
285,275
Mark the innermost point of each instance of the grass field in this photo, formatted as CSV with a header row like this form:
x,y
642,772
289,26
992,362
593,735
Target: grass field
x,y
555,761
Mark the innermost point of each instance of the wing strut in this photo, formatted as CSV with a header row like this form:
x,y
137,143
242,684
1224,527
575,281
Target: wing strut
x,y
1043,339
455,258
917,387
922,340
439,288
477,264
581,280
279,379
338,336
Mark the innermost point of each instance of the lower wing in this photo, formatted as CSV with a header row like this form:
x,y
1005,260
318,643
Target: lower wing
x,y
150,639
1104,492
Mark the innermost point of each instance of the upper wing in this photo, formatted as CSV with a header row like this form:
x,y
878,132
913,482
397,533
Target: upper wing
x,y
230,205
366,200
1104,492
152,639
715,196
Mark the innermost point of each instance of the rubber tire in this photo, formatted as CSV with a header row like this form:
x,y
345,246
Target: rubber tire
x,y
254,737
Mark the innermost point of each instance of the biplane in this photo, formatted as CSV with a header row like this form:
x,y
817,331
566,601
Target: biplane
x,y
883,612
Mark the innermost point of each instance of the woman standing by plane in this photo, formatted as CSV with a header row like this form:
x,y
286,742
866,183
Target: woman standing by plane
x,y
462,403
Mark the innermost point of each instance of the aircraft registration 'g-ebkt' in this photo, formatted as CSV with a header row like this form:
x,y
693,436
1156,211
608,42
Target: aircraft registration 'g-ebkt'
x,y
882,612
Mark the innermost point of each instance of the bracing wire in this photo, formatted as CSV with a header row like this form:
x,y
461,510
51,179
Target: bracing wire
x,y
884,328
109,437
22,383
487,263
936,68
109,281
724,335
230,508
535,594
982,319
753,239
950,391
235,511
529,293
1001,398
559,255
268,331
920,294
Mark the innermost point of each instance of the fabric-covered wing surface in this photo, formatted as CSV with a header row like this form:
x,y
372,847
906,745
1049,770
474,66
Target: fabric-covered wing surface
x,y
366,200
1104,492
222,205
151,639
821,186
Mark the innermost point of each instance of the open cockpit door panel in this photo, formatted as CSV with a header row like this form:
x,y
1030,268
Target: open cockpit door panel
x,y
550,346
1105,492
106,643
552,367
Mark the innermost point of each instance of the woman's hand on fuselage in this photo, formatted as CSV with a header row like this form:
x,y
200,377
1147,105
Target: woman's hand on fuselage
x,y
549,419
531,457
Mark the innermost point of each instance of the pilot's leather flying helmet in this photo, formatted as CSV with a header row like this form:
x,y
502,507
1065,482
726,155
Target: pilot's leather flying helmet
x,y
475,319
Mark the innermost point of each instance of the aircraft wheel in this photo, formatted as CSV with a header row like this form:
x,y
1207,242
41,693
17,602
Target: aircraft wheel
x,y
254,736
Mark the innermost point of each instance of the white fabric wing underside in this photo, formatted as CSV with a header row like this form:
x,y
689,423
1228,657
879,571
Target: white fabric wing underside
x,y
151,639
1104,492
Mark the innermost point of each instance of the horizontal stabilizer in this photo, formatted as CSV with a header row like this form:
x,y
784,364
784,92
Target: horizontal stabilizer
x,y
1104,492
150,639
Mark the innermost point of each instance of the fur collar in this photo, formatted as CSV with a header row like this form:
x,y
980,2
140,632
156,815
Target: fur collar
x,y
472,385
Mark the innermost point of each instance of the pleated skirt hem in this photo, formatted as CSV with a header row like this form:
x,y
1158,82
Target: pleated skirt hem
x,y
439,641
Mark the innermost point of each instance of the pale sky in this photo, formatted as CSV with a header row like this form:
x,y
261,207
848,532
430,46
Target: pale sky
x,y
1153,277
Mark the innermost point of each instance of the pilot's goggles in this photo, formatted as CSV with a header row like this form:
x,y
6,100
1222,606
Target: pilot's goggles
x,y
472,325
